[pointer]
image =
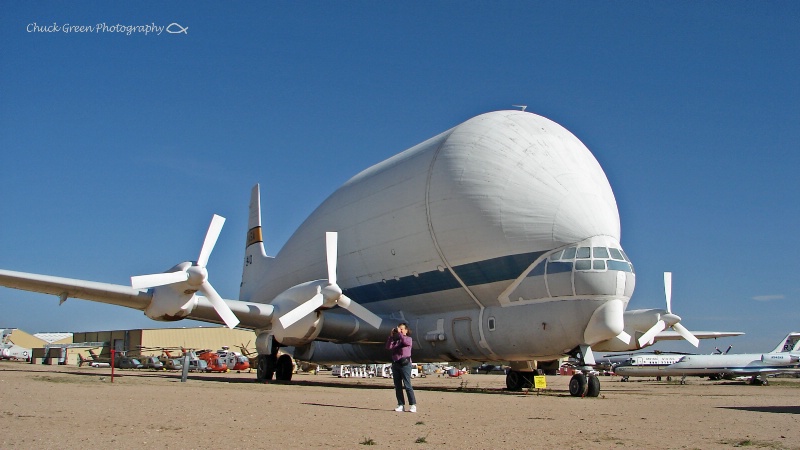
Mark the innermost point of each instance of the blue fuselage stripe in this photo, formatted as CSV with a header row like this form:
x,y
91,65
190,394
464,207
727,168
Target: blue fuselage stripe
x,y
472,274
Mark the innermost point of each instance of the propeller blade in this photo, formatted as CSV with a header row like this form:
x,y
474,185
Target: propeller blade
x,y
668,290
652,332
211,239
359,311
332,250
624,337
301,311
220,306
686,334
157,279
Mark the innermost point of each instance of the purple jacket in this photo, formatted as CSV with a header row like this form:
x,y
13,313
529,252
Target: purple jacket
x,y
399,345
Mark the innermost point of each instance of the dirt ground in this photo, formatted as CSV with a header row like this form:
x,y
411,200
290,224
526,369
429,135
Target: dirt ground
x,y
70,407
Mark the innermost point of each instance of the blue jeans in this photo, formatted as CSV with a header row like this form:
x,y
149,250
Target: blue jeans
x,y
402,377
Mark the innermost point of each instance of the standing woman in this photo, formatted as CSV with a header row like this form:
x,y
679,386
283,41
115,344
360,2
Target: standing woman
x,y
399,342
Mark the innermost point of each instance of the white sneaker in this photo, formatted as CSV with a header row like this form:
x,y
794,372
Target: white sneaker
x,y
400,408
413,408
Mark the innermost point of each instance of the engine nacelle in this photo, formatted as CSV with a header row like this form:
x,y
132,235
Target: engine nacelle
x,y
170,304
642,319
636,322
173,301
783,359
305,330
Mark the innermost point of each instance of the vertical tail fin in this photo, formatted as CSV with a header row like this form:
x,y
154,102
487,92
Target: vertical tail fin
x,y
255,257
790,343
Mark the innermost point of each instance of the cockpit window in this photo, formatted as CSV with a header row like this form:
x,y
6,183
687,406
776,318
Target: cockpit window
x,y
619,265
597,259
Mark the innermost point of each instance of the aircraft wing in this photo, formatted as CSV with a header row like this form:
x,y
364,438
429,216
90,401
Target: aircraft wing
x,y
759,370
251,315
113,294
670,335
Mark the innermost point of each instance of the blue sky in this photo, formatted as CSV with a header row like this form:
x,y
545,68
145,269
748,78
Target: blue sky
x,y
117,149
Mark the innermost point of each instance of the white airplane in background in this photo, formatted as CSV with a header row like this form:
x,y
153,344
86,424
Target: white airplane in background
x,y
497,240
784,359
645,364
610,362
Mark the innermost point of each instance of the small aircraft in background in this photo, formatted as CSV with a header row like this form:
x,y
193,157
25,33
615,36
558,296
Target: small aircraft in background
x,y
252,356
92,362
785,358
169,361
212,359
151,362
127,362
234,360
15,352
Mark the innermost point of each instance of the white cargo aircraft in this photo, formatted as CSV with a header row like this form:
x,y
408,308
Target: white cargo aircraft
x,y
497,240
784,359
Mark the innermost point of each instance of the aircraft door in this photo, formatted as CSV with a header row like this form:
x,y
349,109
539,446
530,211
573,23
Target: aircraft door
x,y
462,335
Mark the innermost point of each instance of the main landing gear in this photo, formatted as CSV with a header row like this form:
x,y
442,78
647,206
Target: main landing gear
x,y
272,364
517,380
279,366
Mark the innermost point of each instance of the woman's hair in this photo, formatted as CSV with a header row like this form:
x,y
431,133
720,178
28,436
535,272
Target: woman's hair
x,y
405,324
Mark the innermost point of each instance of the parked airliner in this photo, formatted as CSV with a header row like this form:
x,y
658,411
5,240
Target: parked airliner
x,y
785,358
496,240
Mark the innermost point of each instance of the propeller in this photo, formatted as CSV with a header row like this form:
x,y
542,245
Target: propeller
x,y
331,294
195,275
624,337
672,320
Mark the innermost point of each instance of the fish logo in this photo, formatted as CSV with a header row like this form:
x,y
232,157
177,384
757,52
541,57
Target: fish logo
x,y
176,28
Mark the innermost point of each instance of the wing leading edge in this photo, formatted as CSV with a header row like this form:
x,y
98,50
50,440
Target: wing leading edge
x,y
670,335
64,288
251,315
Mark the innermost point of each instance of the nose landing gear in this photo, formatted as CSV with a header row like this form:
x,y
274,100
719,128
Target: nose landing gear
x,y
585,382
582,385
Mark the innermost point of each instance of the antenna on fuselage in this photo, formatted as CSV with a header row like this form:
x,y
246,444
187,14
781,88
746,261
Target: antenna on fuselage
x,y
522,107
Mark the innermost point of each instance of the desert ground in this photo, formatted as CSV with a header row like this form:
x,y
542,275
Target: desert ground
x,y
70,407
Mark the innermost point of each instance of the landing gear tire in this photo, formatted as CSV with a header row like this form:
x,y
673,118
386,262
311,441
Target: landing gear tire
x,y
284,368
517,381
266,367
513,381
577,385
593,387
